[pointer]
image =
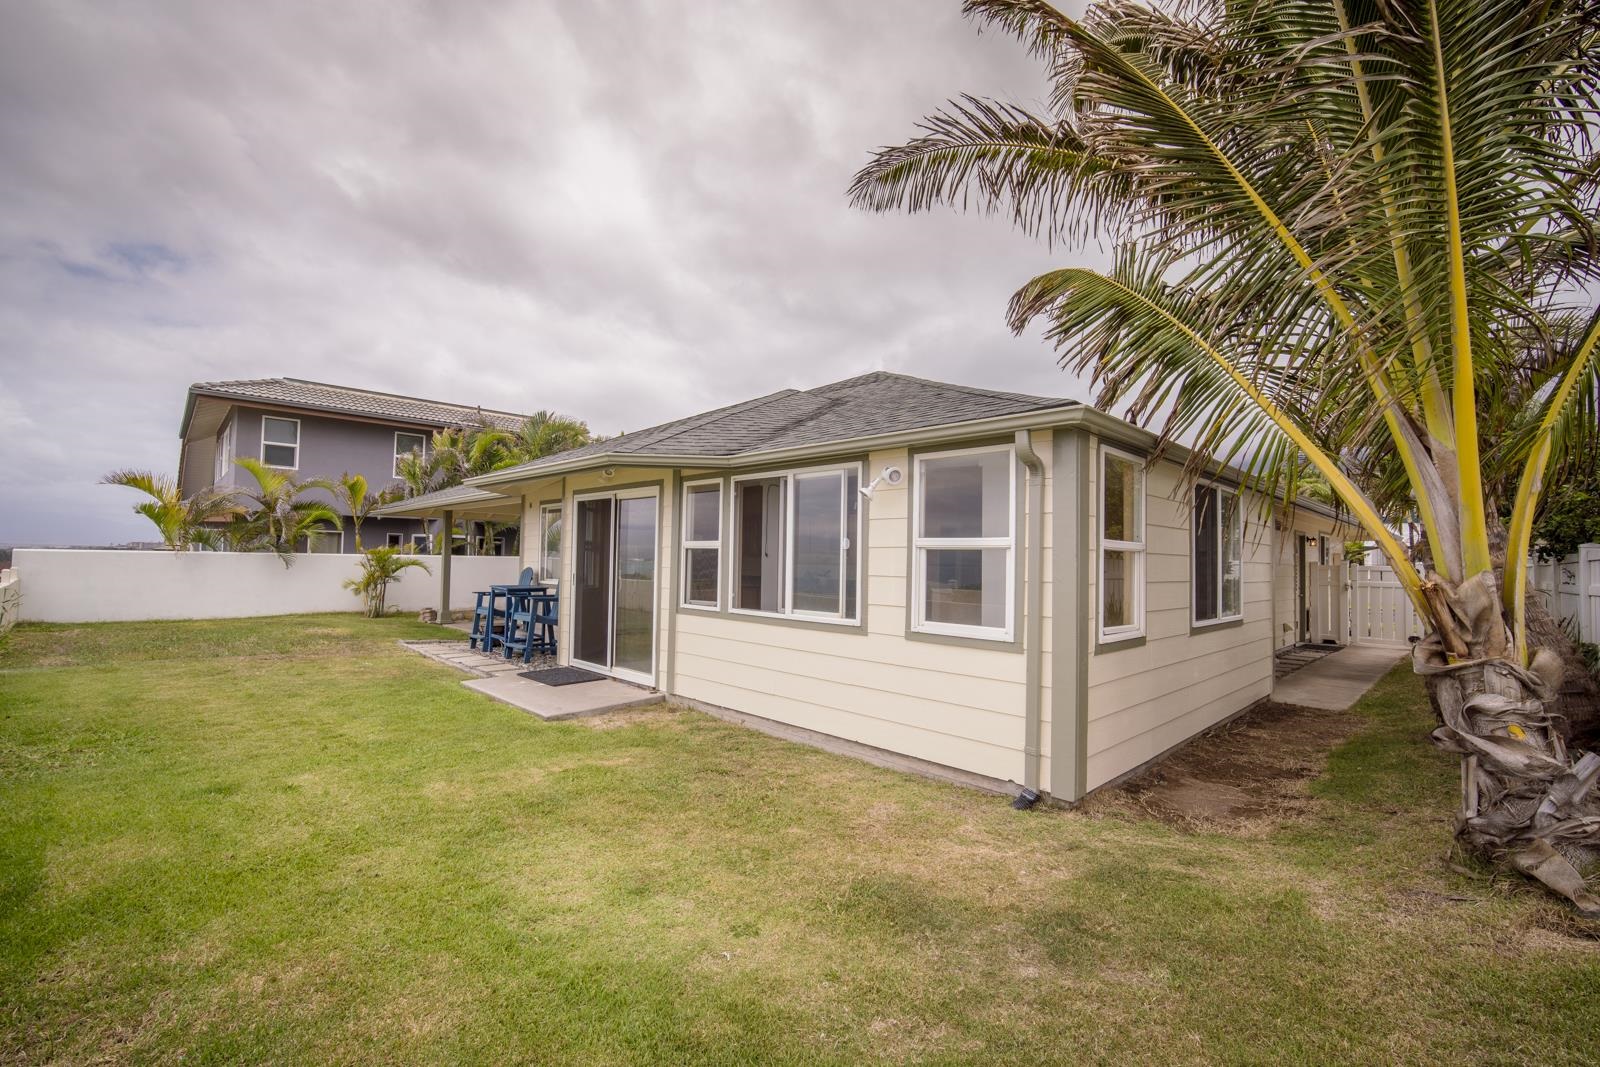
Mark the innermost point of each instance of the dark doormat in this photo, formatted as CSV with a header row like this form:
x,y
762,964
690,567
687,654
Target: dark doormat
x,y
562,676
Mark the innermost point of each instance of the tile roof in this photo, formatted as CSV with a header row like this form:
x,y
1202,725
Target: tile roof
x,y
877,403
340,399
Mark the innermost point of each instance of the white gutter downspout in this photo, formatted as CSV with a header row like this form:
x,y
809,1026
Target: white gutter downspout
x,y
1034,622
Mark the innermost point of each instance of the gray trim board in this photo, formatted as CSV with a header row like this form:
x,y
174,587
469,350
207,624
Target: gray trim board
x,y
1069,658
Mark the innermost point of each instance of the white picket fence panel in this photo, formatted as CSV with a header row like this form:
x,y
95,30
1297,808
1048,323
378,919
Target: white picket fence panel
x,y
1380,611
1570,587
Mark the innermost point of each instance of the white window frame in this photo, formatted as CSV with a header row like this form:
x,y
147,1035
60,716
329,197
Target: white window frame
x,y
395,540
789,612
1135,550
422,544
921,544
224,460
399,455
313,535
280,444
1194,618
545,511
688,543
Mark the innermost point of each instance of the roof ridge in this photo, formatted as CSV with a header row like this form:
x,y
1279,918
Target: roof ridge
x,y
692,422
395,396
975,390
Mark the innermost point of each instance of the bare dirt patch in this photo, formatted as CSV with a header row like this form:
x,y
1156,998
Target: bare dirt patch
x,y
1244,776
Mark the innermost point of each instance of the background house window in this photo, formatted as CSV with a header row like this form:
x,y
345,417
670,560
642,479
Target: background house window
x,y
396,540
796,547
702,544
325,542
1121,546
422,543
405,444
224,462
964,537
550,542
1218,555
280,442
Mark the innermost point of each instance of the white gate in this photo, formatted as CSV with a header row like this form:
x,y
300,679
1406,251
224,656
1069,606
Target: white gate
x,y
1381,613
1325,603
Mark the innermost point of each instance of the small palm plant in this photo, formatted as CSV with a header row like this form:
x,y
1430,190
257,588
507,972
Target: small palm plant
x,y
183,521
379,567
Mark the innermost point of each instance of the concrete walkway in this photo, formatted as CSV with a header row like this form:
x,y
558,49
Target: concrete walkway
x,y
1337,680
498,679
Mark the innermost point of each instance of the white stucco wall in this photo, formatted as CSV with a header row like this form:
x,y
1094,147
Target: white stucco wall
x,y
86,585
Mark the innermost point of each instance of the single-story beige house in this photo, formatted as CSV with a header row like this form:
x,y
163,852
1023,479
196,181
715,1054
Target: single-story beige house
x,y
995,587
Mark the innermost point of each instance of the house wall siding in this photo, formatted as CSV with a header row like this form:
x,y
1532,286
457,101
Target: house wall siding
x,y
1144,699
958,704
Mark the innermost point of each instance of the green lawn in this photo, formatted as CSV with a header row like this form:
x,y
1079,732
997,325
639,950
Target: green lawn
x,y
291,840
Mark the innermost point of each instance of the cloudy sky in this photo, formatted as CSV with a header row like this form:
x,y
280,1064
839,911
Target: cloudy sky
x,y
627,212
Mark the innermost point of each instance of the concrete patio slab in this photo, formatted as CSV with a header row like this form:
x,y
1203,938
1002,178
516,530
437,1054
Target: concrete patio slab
x,y
555,702
456,654
1337,680
498,679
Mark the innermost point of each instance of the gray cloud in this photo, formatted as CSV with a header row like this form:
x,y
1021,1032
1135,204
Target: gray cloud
x,y
624,211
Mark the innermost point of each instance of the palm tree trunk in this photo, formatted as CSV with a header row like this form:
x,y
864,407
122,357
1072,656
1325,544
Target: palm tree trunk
x,y
1522,799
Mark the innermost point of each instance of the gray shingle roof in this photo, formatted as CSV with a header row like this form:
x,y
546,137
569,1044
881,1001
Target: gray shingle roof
x,y
440,499
877,403
340,399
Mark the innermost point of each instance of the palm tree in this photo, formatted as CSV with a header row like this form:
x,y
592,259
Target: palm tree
x,y
279,516
419,474
1337,224
379,567
351,491
184,522
545,433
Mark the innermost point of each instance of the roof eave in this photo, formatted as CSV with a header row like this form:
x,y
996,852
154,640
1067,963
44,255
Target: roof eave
x,y
326,409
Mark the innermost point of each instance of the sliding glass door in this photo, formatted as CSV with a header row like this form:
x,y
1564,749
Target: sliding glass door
x,y
614,621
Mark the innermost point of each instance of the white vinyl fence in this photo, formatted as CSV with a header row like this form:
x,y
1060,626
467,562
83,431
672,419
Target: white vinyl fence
x,y
1380,611
1570,588
94,585
10,599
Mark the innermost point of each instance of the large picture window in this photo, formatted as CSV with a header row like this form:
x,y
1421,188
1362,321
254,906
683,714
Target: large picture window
x,y
702,544
1218,555
1121,608
796,547
964,525
280,442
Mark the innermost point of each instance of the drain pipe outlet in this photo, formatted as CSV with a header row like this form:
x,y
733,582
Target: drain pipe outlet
x,y
1033,628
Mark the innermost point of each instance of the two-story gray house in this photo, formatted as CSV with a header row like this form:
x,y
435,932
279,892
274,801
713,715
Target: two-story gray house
x,y
315,430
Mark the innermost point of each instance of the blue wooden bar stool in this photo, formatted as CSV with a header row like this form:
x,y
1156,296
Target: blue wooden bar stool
x,y
530,626
478,636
